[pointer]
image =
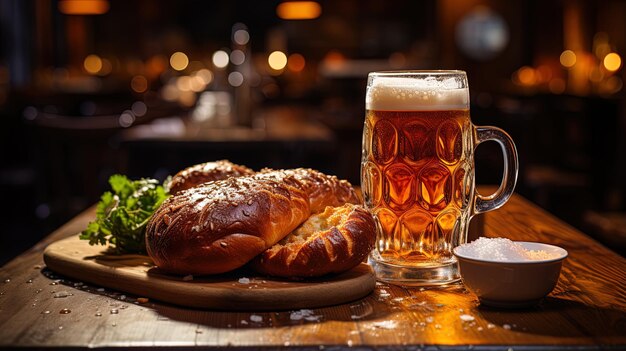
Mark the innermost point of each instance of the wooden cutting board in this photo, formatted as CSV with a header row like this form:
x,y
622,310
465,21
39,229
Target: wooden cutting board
x,y
239,290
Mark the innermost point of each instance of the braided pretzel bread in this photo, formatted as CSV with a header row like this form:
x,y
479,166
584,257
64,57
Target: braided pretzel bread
x,y
221,225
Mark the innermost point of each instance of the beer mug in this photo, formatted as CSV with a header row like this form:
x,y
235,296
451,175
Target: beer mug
x,y
417,173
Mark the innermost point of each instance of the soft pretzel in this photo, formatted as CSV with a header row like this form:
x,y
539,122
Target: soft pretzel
x,y
220,226
333,241
206,172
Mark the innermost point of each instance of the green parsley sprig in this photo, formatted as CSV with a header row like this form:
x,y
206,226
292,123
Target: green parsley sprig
x,y
122,215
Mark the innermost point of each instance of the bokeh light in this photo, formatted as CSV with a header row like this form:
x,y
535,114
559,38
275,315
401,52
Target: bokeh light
x,y
220,59
235,79
126,119
526,75
205,75
277,60
612,62
296,62
139,84
568,58
237,57
241,37
298,10
196,84
92,64
179,61
83,7
139,108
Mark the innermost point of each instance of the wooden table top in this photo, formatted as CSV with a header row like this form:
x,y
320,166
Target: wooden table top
x,y
587,310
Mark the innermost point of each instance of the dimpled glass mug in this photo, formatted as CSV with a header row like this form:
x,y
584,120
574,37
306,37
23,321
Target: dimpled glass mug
x,y
417,173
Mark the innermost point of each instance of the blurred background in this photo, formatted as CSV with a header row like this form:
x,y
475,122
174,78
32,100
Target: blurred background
x,y
89,88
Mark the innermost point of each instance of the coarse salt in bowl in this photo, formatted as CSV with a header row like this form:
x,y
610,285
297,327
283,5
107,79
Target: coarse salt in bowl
x,y
505,273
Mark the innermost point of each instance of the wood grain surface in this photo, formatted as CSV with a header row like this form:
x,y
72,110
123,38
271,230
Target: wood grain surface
x,y
587,310
235,291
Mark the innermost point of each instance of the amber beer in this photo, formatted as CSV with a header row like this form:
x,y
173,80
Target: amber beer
x,y
417,172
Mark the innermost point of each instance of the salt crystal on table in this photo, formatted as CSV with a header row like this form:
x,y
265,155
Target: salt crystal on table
x,y
298,315
256,318
244,281
501,249
466,317
384,324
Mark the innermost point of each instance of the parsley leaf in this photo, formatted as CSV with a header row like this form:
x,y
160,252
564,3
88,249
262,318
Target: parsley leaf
x,y
122,215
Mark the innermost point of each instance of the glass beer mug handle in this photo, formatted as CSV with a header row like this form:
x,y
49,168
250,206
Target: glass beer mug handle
x,y
509,177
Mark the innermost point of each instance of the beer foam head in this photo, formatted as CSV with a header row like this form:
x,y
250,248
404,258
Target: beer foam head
x,y
400,93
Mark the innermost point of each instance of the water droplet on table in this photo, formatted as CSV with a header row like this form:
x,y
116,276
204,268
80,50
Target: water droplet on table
x,y
65,311
114,311
62,294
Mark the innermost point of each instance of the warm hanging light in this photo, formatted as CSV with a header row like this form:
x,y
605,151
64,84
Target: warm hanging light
x,y
83,7
298,10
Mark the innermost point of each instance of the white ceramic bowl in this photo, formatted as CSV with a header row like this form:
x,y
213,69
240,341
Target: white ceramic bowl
x,y
513,284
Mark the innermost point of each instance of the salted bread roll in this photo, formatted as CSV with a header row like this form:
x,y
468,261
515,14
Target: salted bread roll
x,y
220,226
206,172
333,241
